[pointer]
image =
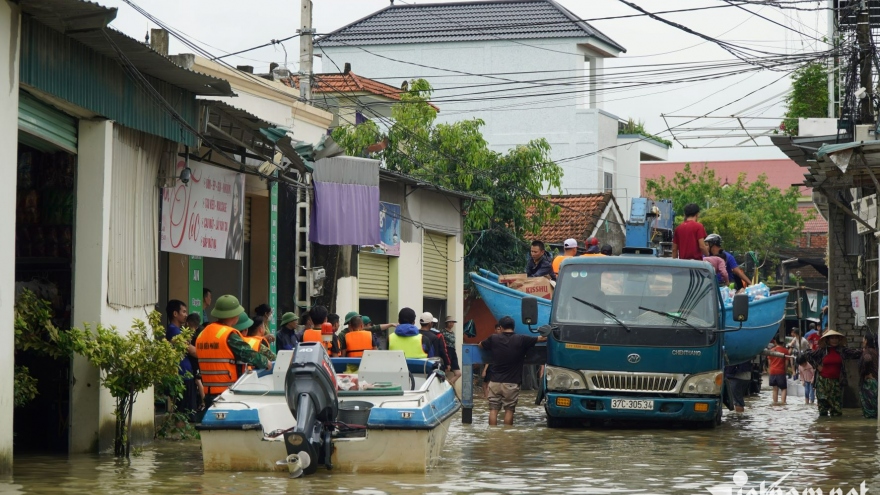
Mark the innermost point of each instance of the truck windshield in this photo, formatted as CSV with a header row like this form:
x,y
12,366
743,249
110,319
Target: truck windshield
x,y
638,296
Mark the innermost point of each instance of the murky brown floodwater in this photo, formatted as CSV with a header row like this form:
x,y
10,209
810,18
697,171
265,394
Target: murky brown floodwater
x,y
766,443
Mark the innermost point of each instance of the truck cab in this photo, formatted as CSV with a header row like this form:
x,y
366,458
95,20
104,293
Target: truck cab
x,y
634,338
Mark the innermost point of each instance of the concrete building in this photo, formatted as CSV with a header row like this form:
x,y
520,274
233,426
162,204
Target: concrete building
x,y
529,69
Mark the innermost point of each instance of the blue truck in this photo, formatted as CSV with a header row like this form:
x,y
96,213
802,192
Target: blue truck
x,y
634,337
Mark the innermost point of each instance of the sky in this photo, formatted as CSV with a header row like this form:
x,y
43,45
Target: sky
x,y
225,26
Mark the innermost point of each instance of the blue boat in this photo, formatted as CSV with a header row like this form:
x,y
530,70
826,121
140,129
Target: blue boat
x,y
742,345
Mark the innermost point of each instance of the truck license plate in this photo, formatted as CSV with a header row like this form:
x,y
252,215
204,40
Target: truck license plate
x,y
645,405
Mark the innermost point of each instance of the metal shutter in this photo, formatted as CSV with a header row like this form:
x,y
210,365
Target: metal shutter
x,y
436,267
372,276
44,127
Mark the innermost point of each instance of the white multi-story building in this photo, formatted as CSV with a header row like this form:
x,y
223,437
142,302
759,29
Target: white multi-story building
x,y
529,68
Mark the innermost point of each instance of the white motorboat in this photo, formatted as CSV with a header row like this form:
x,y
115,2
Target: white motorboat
x,y
395,418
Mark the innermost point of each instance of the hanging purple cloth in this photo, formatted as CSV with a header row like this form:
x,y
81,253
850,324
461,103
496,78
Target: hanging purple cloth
x,y
346,207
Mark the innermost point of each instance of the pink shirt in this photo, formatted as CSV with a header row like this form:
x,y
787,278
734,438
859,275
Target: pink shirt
x,y
807,372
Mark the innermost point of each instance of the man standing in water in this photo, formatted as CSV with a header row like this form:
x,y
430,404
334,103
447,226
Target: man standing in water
x,y
508,355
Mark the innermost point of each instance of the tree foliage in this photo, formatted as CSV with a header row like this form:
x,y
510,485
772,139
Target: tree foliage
x,y
808,97
129,363
749,216
457,156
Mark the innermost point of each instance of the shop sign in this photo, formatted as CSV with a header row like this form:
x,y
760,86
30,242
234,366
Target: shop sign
x,y
206,216
389,231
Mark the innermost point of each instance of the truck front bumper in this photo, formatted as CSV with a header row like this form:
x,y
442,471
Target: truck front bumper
x,y
664,409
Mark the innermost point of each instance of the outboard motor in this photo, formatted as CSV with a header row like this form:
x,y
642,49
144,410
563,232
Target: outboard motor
x,y
310,389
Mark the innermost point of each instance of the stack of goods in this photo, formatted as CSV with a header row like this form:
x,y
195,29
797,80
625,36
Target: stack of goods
x,y
540,287
755,292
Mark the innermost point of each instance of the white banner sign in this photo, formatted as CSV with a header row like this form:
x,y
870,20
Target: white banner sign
x,y
204,217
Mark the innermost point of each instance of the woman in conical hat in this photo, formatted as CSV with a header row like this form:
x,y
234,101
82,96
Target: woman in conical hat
x,y
828,360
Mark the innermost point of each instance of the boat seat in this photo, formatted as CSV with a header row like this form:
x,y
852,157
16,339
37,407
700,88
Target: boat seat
x,y
385,366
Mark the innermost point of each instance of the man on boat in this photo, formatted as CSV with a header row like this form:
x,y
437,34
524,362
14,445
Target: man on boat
x,y
286,338
318,316
539,264
406,336
689,238
221,348
357,340
734,273
508,355
570,247
378,329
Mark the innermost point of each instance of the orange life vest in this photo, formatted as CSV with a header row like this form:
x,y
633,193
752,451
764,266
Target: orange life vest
x,y
216,361
315,336
255,342
358,342
558,261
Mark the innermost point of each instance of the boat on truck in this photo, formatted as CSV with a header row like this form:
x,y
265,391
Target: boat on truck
x,y
295,418
636,338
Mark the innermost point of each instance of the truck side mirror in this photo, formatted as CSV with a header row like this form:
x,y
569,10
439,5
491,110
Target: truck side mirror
x,y
529,310
740,307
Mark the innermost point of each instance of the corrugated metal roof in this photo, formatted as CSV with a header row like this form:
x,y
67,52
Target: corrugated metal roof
x,y
465,21
84,21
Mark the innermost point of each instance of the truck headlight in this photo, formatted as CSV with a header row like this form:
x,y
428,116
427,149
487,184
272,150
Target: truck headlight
x,y
703,384
563,379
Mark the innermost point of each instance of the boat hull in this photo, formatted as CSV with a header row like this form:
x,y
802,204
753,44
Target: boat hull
x,y
765,315
380,451
504,301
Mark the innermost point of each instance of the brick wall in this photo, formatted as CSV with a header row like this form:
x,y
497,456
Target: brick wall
x,y
813,240
842,277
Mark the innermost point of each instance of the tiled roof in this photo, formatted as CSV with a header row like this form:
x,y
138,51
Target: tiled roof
x,y
464,21
578,216
817,224
781,173
349,83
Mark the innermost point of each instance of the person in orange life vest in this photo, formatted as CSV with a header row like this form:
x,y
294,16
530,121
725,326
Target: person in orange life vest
x,y
570,247
220,347
357,340
318,316
256,337
592,245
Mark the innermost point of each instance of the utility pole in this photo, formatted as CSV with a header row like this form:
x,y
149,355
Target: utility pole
x,y
866,58
305,51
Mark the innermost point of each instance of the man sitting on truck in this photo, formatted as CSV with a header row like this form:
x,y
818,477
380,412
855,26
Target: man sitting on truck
x,y
689,238
508,355
539,264
571,249
734,272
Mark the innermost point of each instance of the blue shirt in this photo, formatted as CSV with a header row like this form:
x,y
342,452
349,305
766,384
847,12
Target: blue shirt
x,y
185,366
731,265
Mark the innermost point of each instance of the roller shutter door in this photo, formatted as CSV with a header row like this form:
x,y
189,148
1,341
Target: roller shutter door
x,y
436,266
44,127
372,276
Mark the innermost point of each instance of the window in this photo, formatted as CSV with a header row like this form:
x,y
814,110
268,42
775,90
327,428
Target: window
x,y
609,182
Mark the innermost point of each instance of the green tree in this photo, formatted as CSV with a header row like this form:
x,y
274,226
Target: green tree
x,y
749,216
130,363
808,97
456,156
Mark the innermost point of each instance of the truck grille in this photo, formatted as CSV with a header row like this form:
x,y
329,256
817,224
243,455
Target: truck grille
x,y
621,381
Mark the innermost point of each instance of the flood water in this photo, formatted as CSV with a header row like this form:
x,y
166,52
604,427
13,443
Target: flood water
x,y
766,443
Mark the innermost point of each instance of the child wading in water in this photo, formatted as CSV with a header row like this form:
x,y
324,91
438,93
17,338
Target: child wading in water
x,y
806,371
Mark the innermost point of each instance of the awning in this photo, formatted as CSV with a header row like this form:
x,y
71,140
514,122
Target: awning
x,y
85,21
233,128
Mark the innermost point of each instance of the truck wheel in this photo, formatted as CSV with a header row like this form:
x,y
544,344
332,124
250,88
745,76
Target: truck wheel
x,y
712,423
